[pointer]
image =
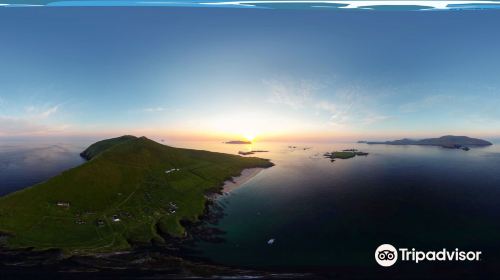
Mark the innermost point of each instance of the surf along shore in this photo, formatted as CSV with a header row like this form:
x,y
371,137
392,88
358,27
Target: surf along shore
x,y
245,176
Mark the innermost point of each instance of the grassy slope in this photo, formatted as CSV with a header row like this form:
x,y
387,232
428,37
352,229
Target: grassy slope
x,y
126,179
103,145
343,155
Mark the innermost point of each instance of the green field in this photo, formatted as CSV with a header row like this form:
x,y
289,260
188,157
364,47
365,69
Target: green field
x,y
126,178
344,154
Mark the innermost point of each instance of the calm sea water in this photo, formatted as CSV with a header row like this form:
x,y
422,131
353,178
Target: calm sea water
x,y
27,162
326,214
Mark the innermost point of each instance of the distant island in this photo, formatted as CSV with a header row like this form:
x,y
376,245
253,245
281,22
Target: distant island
x,y
243,153
344,154
131,191
238,142
448,141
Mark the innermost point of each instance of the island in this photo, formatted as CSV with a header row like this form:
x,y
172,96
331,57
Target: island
x,y
447,141
344,154
131,191
243,153
242,142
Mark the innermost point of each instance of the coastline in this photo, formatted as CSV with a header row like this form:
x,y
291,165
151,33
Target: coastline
x,y
245,176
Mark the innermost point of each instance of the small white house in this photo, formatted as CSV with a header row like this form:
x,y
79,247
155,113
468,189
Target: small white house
x,y
63,204
172,170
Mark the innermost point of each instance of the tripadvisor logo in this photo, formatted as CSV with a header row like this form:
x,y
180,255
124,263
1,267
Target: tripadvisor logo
x,y
387,255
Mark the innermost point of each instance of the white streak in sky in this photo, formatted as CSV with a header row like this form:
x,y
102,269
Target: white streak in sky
x,y
438,5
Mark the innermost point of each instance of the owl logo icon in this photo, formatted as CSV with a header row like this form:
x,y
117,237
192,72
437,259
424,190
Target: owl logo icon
x,y
386,255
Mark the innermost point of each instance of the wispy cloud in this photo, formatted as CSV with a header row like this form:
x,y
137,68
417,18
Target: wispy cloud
x,y
11,126
343,106
293,94
339,113
30,120
43,111
425,103
154,109
371,119
49,111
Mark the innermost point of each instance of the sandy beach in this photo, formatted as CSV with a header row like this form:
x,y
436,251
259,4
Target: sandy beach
x,y
245,176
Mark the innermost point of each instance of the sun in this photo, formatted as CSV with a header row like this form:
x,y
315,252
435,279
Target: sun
x,y
249,136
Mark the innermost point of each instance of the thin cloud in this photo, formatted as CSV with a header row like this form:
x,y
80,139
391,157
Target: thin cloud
x,y
339,113
426,103
30,121
41,111
295,95
346,107
351,108
155,109
49,111
372,119
12,126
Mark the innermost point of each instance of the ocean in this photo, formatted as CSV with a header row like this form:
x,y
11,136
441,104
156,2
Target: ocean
x,y
324,214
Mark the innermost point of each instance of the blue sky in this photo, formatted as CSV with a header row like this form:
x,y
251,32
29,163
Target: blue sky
x,y
220,73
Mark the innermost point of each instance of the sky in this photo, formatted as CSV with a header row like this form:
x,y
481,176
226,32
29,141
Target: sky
x,y
225,74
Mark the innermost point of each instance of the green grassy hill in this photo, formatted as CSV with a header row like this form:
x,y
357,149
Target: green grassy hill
x,y
149,187
101,146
